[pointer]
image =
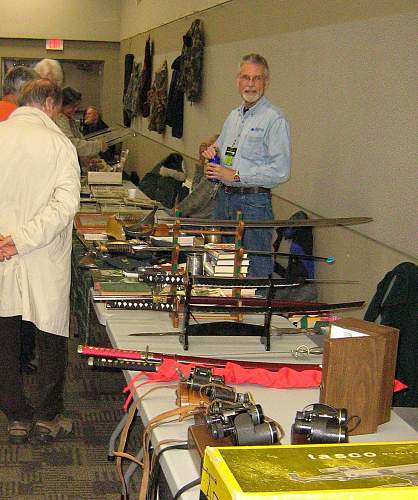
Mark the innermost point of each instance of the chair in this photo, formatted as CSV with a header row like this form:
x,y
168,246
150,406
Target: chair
x,y
395,304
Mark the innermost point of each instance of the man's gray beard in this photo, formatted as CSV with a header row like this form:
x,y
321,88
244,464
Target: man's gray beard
x,y
251,97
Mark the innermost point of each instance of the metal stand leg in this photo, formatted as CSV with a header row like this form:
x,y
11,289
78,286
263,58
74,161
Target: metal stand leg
x,y
265,338
184,337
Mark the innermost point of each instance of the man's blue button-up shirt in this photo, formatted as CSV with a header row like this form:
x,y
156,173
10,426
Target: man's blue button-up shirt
x,y
262,138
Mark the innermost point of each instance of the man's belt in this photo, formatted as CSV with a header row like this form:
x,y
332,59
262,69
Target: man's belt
x,y
245,190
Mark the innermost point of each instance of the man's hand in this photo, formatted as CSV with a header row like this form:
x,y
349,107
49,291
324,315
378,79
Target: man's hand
x,y
215,171
7,248
210,152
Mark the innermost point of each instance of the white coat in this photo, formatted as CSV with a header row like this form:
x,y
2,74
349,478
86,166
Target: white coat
x,y
39,196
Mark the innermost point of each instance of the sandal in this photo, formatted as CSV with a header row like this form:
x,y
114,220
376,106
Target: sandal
x,y
19,431
46,431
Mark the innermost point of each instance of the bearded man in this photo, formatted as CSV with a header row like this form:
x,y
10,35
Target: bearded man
x,y
254,151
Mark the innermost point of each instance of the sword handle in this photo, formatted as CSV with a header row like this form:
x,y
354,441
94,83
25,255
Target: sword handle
x,y
168,279
121,364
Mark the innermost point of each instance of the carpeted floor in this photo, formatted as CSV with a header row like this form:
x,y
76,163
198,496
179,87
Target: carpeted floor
x,y
75,468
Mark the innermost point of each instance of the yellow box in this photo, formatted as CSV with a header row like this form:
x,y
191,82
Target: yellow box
x,y
301,472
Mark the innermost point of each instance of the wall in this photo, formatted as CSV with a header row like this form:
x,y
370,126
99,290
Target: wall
x,y
110,91
343,73
139,16
91,32
69,20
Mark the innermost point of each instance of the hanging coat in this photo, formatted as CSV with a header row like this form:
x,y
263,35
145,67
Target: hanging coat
x,y
175,105
39,196
130,99
143,107
158,100
190,79
129,64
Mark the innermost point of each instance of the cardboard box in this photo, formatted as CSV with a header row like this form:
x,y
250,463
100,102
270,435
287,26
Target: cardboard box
x,y
372,471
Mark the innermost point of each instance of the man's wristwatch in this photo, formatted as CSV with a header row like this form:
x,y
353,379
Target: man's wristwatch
x,y
236,178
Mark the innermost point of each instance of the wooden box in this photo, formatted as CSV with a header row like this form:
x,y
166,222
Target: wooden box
x,y
358,371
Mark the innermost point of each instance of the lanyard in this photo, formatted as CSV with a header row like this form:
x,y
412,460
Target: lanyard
x,y
240,126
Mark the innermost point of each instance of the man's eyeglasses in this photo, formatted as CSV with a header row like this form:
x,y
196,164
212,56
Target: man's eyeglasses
x,y
254,79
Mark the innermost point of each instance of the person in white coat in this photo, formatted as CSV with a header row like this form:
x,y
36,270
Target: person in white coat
x,y
39,196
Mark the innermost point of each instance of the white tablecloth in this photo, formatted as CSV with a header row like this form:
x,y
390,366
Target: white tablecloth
x,y
279,404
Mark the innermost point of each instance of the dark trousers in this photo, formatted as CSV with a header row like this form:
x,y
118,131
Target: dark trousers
x,y
27,351
52,350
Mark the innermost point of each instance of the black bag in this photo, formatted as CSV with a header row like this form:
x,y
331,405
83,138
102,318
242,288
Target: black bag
x,y
163,189
301,239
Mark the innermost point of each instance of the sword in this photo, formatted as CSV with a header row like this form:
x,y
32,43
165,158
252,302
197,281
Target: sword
x,y
249,305
277,332
132,248
231,304
300,352
339,221
219,281
159,357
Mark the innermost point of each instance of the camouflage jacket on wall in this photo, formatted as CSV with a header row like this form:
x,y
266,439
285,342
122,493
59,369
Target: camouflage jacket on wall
x,y
157,98
190,80
131,97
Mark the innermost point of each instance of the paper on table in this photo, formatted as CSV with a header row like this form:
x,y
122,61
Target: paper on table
x,y
337,332
95,237
183,240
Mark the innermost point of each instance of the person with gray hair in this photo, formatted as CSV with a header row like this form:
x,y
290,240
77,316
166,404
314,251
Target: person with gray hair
x,y
51,70
71,100
13,82
39,196
254,153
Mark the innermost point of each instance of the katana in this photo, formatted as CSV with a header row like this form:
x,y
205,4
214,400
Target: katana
x,y
159,357
218,281
225,304
276,332
300,352
255,304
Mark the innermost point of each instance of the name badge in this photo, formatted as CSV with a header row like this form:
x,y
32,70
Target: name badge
x,y
229,156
